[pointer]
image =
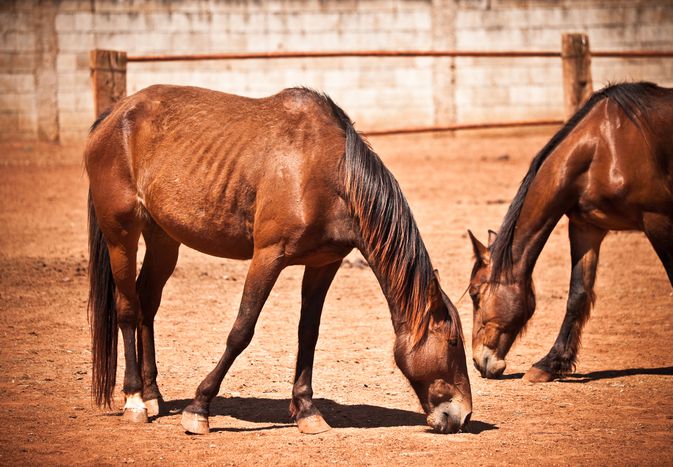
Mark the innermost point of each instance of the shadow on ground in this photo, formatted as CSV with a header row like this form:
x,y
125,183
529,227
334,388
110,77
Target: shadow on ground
x,y
275,412
611,374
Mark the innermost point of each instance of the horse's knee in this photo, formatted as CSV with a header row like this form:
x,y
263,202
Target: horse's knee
x,y
239,339
576,298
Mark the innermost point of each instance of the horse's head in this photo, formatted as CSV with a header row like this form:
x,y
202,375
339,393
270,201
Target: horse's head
x,y
435,365
501,310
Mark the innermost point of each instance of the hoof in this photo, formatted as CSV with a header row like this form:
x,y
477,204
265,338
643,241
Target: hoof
x,y
536,375
313,424
153,407
135,415
195,423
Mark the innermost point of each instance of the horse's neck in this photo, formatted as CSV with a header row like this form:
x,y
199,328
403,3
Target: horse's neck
x,y
390,287
545,203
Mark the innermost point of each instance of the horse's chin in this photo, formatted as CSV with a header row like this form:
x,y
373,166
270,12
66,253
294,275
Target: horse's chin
x,y
448,417
488,364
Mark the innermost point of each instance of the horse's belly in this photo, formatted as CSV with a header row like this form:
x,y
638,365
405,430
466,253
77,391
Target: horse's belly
x,y
224,236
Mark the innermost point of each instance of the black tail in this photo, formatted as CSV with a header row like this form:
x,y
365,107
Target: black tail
x,y
102,314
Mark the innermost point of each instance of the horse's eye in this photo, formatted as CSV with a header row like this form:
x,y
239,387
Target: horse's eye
x,y
453,342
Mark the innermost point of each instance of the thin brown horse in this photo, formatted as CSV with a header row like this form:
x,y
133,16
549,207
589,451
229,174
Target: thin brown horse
x,y
609,168
283,180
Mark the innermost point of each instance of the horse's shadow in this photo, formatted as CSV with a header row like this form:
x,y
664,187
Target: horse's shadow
x,y
611,374
275,412
599,375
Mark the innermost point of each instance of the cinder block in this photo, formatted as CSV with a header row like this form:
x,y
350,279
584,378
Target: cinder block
x,y
75,5
65,21
16,20
83,21
76,41
27,123
16,103
114,22
249,22
661,13
17,84
318,21
17,63
67,99
219,22
166,21
84,103
189,42
66,62
9,125
655,33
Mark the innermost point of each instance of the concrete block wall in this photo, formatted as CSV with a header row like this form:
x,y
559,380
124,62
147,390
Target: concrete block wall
x,y
46,91
523,88
372,91
18,114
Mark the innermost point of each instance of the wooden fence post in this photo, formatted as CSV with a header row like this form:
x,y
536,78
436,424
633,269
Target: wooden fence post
x,y
108,78
577,82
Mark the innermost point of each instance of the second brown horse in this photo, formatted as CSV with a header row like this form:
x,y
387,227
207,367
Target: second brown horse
x,y
609,168
282,180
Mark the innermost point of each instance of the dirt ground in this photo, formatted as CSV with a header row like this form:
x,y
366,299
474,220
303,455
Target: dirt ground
x,y
617,408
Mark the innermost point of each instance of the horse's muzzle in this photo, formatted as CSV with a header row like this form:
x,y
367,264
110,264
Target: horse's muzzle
x,y
488,364
450,417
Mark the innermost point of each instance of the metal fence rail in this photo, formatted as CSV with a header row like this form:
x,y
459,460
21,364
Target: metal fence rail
x,y
108,71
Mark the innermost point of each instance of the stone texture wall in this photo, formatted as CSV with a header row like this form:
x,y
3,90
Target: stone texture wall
x,y
46,92
532,87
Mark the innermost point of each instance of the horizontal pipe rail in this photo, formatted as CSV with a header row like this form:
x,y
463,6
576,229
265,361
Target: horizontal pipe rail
x,y
392,53
462,126
633,54
338,53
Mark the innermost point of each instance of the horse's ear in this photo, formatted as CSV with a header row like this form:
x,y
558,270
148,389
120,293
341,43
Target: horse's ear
x,y
480,251
491,237
434,292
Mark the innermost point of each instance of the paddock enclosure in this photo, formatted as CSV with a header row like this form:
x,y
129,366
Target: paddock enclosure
x,y
502,74
617,407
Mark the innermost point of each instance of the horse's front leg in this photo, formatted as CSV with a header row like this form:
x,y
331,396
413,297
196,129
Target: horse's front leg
x,y
314,288
264,269
585,242
659,230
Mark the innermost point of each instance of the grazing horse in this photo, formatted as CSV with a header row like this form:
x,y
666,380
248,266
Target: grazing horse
x,y
609,168
283,180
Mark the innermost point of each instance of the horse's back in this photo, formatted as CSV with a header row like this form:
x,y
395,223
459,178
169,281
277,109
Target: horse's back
x,y
221,172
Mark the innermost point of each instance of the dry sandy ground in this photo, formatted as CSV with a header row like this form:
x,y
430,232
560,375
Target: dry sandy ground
x,y
617,408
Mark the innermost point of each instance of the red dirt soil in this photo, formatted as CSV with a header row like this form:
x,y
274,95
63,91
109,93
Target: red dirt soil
x,y
617,408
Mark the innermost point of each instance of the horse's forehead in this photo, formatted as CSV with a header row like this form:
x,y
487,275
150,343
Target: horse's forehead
x,y
480,273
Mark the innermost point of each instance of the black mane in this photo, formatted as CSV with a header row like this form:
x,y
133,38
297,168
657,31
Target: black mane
x,y
631,98
389,235
104,114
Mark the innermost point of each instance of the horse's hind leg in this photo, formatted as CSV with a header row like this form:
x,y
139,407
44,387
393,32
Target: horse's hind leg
x,y
659,230
158,265
313,291
585,242
123,246
264,269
